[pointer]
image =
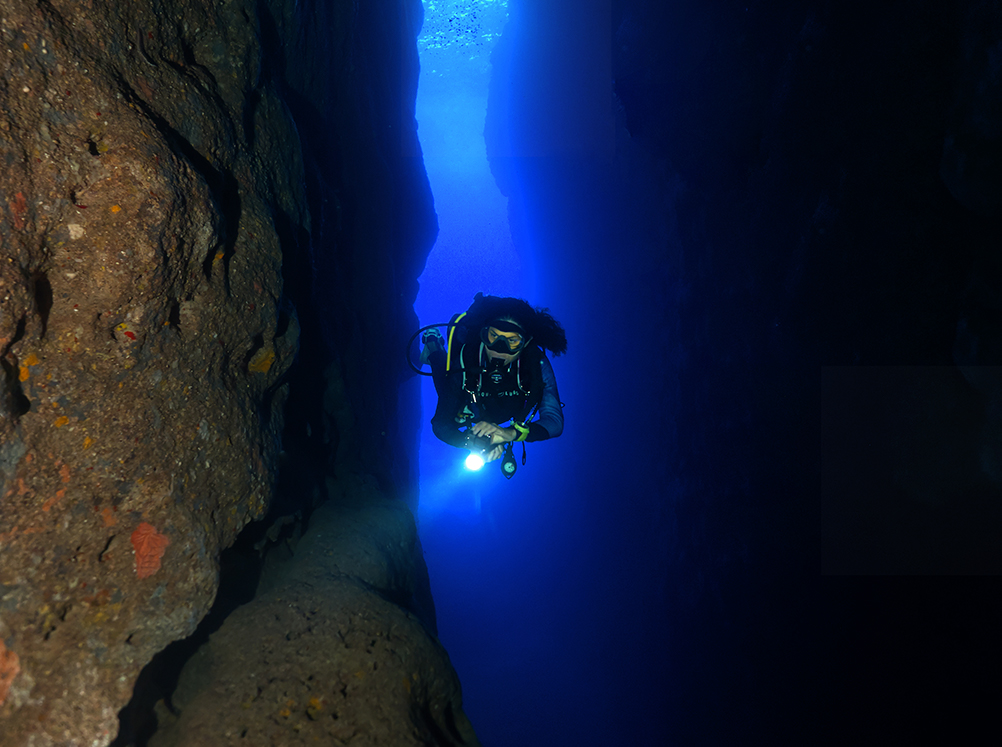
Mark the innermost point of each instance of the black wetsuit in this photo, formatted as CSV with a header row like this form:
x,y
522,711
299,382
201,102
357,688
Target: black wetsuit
x,y
503,391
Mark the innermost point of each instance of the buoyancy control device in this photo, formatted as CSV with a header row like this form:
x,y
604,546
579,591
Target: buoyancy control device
x,y
466,357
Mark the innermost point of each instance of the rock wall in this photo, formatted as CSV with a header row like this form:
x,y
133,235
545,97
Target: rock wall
x,y
167,252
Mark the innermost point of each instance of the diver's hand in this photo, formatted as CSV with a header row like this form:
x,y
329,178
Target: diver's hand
x,y
494,453
496,434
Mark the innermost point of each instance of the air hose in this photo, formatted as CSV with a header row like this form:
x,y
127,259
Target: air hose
x,y
407,350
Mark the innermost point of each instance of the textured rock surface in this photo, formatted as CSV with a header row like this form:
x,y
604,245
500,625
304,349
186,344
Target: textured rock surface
x,y
142,336
152,196
326,653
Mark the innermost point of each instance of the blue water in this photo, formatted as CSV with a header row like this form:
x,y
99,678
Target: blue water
x,y
549,588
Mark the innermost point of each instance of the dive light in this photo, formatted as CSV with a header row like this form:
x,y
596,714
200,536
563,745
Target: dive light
x,y
480,447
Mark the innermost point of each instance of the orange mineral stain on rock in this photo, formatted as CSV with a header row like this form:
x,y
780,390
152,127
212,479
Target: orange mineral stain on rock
x,y
53,500
109,517
88,441
23,370
61,421
115,208
64,473
10,667
17,209
150,546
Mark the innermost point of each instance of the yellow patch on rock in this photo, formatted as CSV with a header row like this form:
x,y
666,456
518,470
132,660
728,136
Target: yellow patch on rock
x,y
314,708
261,361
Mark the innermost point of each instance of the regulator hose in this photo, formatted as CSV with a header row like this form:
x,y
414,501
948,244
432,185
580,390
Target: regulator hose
x,y
407,350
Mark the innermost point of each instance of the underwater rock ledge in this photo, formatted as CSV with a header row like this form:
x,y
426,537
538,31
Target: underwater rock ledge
x,y
330,650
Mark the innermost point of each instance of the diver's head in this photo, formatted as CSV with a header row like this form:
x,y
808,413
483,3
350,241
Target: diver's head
x,y
504,338
533,325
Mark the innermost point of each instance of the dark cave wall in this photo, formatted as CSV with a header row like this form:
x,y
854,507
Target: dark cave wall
x,y
212,223
785,203
349,76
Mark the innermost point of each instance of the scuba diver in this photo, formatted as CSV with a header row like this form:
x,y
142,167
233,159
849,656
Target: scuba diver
x,y
492,370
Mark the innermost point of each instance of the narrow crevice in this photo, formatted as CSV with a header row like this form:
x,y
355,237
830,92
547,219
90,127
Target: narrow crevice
x,y
100,556
42,289
17,403
174,315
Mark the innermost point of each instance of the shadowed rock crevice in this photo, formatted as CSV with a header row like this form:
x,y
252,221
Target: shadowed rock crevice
x,y
17,404
42,289
14,404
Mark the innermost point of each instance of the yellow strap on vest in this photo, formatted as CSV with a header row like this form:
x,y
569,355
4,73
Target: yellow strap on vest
x,y
448,350
523,431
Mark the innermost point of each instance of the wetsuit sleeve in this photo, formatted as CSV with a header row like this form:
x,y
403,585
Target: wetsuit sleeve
x,y
551,416
450,401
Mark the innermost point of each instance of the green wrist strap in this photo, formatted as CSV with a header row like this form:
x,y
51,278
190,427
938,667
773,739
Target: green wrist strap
x,y
523,431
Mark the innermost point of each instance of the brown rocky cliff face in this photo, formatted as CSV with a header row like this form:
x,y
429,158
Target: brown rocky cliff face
x,y
152,180
142,335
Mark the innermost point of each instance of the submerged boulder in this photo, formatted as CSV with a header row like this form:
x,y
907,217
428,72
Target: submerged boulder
x,y
331,651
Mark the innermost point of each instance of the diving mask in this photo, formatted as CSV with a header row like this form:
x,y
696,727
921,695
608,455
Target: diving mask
x,y
504,337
